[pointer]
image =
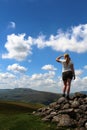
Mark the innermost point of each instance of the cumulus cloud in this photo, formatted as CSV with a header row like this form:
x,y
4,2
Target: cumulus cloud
x,y
74,39
6,75
16,68
49,67
41,81
18,47
7,80
78,72
49,75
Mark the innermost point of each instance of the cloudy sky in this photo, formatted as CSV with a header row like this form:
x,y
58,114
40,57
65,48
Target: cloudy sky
x,y
32,34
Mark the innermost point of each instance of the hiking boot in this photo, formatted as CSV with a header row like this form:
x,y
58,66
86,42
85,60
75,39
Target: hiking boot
x,y
63,94
67,97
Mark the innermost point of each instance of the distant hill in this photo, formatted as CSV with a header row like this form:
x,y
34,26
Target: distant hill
x,y
84,92
28,95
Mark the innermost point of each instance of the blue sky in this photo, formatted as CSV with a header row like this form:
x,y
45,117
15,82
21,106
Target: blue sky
x,y
32,34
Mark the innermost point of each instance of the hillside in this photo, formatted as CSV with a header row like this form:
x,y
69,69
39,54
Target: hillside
x,y
28,95
17,107
18,116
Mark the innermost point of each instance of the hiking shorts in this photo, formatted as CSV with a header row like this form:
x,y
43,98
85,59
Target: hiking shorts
x,y
67,75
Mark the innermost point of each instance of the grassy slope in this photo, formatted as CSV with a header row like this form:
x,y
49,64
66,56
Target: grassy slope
x,y
17,107
23,122
18,116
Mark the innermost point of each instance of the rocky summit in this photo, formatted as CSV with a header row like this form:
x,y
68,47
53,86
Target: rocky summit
x,y
69,113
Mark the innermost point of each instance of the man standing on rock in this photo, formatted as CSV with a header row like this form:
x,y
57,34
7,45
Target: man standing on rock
x,y
67,72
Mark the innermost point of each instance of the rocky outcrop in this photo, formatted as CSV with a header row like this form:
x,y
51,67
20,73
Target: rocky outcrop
x,y
64,112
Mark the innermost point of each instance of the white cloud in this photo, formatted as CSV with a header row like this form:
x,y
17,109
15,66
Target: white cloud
x,y
79,84
40,41
6,75
85,67
74,39
78,72
44,76
7,80
42,82
49,67
12,25
16,68
18,48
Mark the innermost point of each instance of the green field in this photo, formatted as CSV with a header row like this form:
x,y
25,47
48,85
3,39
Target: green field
x,y
18,116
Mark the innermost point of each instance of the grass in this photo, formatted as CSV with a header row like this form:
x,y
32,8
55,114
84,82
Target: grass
x,y
23,121
18,116
6,107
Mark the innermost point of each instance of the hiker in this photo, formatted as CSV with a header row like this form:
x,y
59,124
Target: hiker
x,y
68,73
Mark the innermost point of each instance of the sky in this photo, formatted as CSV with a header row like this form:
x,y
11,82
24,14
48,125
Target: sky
x,y
32,34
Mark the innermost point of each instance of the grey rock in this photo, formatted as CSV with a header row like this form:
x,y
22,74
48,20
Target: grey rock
x,y
66,121
68,113
52,105
61,100
56,118
81,122
75,104
83,107
53,113
47,118
86,124
66,106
